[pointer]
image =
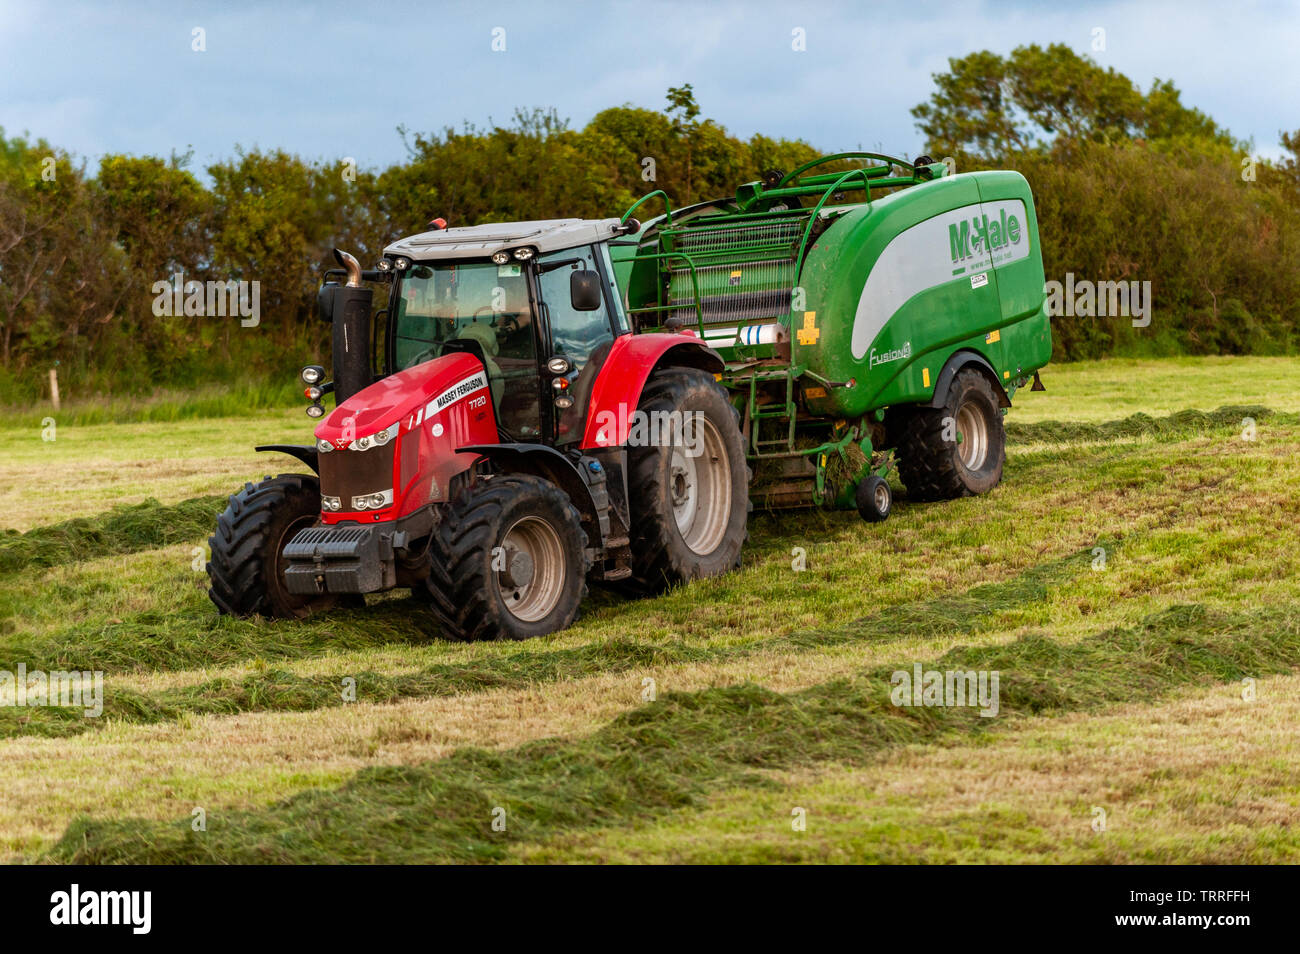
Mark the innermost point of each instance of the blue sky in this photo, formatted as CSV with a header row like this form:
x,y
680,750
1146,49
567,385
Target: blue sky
x,y
333,80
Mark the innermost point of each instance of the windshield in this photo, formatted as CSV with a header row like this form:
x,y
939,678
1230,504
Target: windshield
x,y
483,301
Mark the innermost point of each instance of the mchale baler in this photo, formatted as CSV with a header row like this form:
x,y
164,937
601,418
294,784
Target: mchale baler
x,y
571,400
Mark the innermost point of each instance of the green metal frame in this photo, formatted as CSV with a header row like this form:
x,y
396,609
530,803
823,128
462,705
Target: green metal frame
x,y
744,382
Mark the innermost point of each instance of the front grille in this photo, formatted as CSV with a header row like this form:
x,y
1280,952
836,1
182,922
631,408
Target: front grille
x,y
347,473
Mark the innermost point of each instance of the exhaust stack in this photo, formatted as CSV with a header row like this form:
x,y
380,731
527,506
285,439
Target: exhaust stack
x,y
351,312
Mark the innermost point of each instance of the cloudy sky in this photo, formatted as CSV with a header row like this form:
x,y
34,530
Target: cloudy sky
x,y
336,79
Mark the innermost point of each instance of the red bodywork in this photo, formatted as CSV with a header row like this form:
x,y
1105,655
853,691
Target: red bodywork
x,y
446,403
617,389
438,406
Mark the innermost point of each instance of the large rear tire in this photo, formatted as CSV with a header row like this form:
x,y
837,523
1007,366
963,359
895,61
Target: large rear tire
x,y
956,450
247,566
509,561
689,496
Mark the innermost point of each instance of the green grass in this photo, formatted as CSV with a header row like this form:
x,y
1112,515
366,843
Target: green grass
x,y
667,755
770,680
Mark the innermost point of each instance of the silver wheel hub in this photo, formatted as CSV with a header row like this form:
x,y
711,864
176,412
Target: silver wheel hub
x,y
972,436
700,488
531,580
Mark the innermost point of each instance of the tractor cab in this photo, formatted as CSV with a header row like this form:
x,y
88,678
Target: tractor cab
x,y
535,302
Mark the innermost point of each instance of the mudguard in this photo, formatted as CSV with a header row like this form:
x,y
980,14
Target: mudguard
x,y
632,359
959,360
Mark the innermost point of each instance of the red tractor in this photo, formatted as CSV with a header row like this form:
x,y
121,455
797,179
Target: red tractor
x,y
512,441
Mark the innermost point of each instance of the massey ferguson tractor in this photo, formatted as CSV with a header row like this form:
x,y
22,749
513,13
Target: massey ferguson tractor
x,y
541,404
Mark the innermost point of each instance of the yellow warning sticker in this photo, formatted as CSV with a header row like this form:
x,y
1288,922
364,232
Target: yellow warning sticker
x,y
925,377
814,392
809,334
993,336
1006,374
735,278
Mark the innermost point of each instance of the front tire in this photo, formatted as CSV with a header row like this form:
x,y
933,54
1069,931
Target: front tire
x,y
247,566
956,450
509,561
689,497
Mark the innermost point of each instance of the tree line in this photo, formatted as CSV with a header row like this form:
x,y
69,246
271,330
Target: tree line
x,y
1130,185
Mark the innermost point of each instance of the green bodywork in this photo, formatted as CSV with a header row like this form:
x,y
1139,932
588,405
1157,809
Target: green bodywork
x,y
829,311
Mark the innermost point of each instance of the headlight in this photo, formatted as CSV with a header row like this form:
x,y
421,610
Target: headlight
x,y
315,410
313,374
324,447
377,439
383,265
330,503
402,264
500,258
524,254
375,501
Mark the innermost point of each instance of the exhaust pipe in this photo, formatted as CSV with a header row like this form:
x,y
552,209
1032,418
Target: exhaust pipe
x,y
349,262
352,368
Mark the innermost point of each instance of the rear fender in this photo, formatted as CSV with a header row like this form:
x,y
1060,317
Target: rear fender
x,y
632,359
960,360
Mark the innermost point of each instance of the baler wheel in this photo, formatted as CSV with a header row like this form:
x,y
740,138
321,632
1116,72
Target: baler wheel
x,y
509,561
934,465
689,512
874,499
246,568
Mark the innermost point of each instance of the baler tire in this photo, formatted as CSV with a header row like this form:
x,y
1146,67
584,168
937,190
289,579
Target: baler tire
x,y
661,556
874,499
932,467
465,592
244,569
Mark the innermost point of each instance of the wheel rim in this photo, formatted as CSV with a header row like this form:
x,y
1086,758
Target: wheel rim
x,y
973,433
531,575
700,489
882,498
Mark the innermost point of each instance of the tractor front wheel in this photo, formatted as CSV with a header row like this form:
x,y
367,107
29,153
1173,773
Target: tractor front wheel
x,y
688,482
509,561
956,450
247,565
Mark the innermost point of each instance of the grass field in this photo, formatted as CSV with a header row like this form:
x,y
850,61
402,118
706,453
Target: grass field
x,y
1133,581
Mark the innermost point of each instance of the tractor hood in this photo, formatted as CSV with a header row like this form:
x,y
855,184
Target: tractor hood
x,y
374,415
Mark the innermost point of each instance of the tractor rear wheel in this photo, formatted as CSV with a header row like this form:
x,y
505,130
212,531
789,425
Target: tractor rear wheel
x,y
689,494
247,565
956,450
509,561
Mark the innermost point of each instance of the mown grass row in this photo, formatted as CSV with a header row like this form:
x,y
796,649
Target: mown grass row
x,y
274,689
672,753
1177,426
126,529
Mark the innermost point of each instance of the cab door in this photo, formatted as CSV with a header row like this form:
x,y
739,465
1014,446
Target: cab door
x,y
582,338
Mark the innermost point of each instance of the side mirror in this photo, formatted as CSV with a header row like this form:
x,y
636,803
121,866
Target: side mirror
x,y
584,290
325,301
